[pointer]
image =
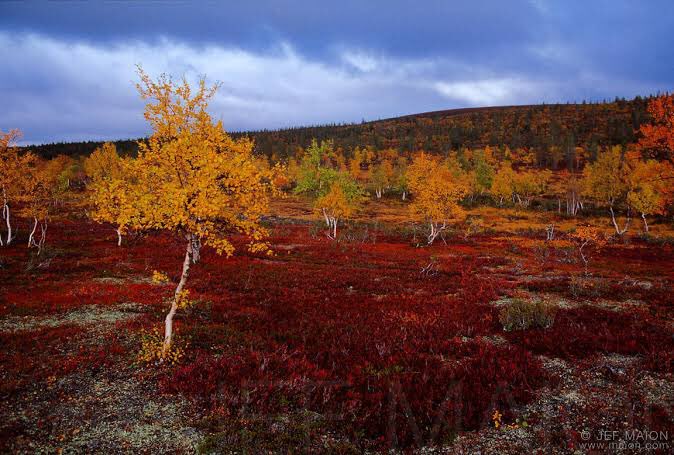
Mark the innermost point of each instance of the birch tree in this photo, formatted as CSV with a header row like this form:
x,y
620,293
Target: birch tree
x,y
194,180
607,182
112,189
436,194
13,168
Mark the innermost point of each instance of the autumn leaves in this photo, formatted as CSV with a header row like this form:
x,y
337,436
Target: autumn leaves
x,y
190,178
34,185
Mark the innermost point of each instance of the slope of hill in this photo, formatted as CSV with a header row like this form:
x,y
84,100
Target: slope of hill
x,y
539,127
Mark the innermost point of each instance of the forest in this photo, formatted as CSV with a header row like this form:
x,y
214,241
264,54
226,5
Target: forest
x,y
545,130
487,279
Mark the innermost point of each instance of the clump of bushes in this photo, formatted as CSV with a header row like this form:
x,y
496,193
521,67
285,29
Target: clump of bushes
x,y
522,314
586,287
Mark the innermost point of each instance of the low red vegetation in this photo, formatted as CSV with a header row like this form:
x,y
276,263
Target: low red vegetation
x,y
50,353
389,343
580,332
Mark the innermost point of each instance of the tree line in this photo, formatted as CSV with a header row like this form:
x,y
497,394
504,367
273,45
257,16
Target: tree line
x,y
549,132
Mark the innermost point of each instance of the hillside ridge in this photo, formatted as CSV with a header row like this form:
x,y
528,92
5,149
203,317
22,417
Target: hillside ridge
x,y
539,127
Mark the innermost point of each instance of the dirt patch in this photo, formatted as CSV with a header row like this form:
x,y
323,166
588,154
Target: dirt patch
x,y
114,413
123,280
87,315
597,396
290,246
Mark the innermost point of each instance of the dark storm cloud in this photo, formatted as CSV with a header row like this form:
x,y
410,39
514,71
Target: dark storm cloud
x,y
68,67
409,28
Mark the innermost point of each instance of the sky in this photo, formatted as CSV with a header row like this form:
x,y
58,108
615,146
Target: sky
x,y
67,70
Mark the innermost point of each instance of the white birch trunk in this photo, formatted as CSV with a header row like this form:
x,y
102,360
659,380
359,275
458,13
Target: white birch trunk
x,y
9,225
168,322
619,231
31,237
43,236
435,231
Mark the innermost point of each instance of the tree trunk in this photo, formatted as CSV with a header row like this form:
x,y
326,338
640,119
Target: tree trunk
x,y
435,231
31,240
643,216
327,218
615,223
168,322
404,195
582,256
119,236
196,249
43,236
9,225
5,216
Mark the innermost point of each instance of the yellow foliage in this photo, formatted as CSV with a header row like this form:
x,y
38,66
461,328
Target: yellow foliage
x,y
159,277
183,299
104,162
529,184
647,193
190,177
116,198
13,166
354,164
436,190
41,187
496,417
335,203
606,180
502,187
152,349
588,237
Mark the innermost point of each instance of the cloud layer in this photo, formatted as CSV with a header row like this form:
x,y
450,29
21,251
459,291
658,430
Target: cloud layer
x,y
75,91
67,79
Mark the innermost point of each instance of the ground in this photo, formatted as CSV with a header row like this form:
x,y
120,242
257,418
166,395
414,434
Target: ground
x,y
366,344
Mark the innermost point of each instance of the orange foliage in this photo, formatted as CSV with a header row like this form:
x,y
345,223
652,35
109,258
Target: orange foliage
x,y
657,138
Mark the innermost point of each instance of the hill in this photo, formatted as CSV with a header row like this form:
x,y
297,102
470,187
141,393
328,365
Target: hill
x,y
545,129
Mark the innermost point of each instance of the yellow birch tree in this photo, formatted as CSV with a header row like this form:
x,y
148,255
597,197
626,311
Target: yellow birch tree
x,y
194,180
436,194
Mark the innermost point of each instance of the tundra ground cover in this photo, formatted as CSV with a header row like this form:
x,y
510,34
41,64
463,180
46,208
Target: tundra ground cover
x,y
363,344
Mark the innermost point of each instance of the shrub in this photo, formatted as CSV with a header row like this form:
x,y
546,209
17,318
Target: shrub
x,y
159,277
584,287
473,225
521,314
152,349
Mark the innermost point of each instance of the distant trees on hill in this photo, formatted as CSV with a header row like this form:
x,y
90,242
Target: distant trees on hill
x,y
551,131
